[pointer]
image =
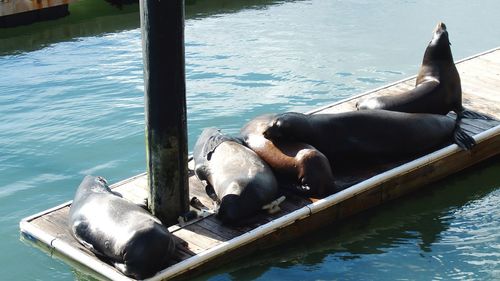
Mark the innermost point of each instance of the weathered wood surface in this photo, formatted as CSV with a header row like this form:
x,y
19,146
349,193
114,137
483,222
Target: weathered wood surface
x,y
480,82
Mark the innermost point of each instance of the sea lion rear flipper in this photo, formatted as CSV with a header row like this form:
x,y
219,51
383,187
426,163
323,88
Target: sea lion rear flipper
x,y
462,139
196,203
465,113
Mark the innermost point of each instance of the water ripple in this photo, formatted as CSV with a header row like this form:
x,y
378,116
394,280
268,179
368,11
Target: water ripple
x,y
76,107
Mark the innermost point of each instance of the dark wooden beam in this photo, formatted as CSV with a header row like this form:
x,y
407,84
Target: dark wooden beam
x,y
162,24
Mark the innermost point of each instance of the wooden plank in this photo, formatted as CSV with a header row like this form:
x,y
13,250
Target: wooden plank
x,y
197,242
484,82
211,223
482,125
493,56
480,104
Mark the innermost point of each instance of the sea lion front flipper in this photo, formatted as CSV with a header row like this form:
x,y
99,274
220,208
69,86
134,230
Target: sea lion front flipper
x,y
196,203
465,113
209,189
462,139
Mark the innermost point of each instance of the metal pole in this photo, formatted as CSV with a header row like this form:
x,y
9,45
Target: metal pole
x,y
162,24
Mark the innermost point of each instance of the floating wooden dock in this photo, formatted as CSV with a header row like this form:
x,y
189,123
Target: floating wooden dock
x,y
207,244
18,12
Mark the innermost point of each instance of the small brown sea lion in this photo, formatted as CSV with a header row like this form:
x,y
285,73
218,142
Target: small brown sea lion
x,y
298,164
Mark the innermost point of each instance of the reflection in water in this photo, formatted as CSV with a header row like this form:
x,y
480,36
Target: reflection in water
x,y
87,18
205,8
97,17
398,239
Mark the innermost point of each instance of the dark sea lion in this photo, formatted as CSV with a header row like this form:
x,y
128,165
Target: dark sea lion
x,y
297,164
351,138
119,231
438,89
242,181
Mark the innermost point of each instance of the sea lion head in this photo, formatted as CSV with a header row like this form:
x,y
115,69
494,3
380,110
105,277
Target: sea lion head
x,y
440,35
96,184
229,211
284,126
439,46
315,174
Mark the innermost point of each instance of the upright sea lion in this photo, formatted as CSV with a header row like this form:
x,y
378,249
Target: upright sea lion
x,y
240,179
298,164
352,138
438,89
125,234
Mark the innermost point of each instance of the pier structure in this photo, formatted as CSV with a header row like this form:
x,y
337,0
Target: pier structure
x,y
162,26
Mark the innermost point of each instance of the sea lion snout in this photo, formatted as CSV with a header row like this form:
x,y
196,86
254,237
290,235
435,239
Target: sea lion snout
x,y
440,27
438,33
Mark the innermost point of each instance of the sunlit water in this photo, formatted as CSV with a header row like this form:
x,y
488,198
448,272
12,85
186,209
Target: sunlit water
x,y
71,104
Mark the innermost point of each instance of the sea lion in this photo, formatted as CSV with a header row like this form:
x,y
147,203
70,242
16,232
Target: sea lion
x,y
438,89
132,239
297,164
240,179
352,138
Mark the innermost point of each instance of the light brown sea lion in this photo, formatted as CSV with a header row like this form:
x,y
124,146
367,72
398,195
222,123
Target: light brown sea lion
x,y
298,164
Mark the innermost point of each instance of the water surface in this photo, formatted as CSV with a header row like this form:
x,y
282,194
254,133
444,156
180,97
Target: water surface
x,y
72,104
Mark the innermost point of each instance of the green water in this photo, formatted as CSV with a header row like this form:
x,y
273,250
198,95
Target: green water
x,y
71,104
